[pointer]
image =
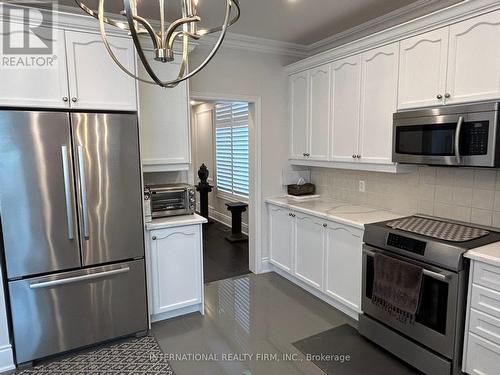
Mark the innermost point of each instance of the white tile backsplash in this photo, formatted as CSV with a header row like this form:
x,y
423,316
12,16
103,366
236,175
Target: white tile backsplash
x,y
465,194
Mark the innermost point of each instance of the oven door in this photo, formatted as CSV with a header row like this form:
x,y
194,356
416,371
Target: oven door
x,y
435,323
459,139
169,203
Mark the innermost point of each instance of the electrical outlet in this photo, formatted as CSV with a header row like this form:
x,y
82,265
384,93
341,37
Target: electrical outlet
x,y
362,186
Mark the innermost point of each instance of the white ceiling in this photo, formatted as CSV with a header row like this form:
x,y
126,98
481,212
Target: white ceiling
x,y
295,21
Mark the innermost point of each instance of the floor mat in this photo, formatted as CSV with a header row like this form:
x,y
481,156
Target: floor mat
x,y
133,357
342,350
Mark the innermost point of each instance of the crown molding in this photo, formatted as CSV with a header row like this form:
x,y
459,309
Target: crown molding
x,y
441,18
398,16
255,44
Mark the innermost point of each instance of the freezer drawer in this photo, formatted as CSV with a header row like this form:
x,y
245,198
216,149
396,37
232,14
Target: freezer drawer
x,y
53,314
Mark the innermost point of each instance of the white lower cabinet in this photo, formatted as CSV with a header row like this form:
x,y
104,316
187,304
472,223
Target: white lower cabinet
x,y
176,271
320,255
281,237
482,328
344,264
309,249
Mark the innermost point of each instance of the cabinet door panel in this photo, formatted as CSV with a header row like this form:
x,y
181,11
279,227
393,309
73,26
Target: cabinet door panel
x,y
320,113
474,59
483,357
309,249
96,82
281,237
165,139
299,114
379,91
422,70
344,264
176,268
42,87
346,100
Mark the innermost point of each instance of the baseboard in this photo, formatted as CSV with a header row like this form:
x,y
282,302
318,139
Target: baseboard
x,y
337,304
226,220
265,266
6,359
178,312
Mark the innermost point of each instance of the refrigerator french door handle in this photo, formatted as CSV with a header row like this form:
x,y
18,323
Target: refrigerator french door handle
x,y
83,191
76,279
67,192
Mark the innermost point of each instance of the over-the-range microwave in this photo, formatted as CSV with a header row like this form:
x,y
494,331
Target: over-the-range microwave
x,y
455,135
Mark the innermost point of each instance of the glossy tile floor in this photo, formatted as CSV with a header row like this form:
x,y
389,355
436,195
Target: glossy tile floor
x,y
221,258
252,314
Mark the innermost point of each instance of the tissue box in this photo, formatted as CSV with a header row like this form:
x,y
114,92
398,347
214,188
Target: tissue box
x,y
306,189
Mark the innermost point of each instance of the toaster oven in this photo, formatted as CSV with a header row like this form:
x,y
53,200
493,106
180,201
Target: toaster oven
x,y
172,200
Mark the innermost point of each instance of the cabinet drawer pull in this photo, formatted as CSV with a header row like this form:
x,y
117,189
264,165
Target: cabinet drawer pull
x,y
74,99
447,95
439,96
153,238
65,98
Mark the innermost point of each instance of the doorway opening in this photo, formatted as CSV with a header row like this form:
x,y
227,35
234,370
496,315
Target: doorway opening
x,y
223,139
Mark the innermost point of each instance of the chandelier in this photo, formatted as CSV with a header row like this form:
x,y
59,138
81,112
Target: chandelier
x,y
183,29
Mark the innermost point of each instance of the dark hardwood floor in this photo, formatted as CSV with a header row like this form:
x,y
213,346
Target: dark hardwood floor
x,y
222,259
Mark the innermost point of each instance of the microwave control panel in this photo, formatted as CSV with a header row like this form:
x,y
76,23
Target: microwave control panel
x,y
475,138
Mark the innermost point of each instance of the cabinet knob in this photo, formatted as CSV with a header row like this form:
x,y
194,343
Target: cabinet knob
x,y
325,225
439,96
358,156
65,98
354,156
74,99
447,95
153,238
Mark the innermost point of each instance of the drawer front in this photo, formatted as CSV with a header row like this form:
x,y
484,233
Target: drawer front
x,y
485,325
486,300
483,357
487,276
54,314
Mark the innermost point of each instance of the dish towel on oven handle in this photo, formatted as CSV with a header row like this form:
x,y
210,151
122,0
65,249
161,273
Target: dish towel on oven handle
x,y
397,287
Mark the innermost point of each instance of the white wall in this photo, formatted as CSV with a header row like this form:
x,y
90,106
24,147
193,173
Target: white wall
x,y
6,359
204,152
238,72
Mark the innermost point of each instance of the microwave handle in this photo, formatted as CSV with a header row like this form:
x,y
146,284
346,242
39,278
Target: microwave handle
x,y
457,138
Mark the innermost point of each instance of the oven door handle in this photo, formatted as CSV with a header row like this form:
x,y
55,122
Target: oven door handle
x,y
426,272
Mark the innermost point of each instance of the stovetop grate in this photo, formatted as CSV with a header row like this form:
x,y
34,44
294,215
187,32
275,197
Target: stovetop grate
x,y
438,229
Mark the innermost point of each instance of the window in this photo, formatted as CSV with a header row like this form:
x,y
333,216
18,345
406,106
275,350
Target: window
x,y
231,148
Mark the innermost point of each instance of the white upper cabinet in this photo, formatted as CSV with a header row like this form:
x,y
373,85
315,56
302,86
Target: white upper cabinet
x,y
95,81
309,247
379,93
299,115
40,87
422,69
474,59
281,237
346,101
320,110
164,121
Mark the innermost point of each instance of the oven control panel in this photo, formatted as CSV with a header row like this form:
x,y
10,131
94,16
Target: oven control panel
x,y
406,243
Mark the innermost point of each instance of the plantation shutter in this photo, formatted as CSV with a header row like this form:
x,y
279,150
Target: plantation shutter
x,y
231,148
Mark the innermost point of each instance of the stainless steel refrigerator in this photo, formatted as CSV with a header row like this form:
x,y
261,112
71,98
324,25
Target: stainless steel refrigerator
x,y
71,219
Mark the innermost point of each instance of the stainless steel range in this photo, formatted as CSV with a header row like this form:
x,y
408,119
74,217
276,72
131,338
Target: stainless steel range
x,y
433,342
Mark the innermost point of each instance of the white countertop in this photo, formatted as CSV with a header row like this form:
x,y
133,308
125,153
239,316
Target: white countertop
x,y
334,210
175,221
489,254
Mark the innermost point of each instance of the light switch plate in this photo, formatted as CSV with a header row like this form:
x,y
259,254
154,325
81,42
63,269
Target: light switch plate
x,y
362,186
